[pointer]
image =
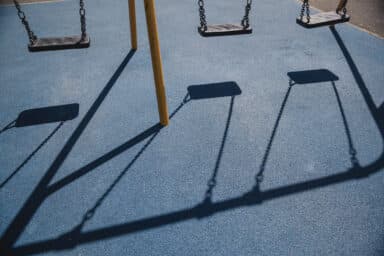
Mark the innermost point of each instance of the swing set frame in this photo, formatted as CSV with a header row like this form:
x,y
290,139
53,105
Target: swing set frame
x,y
154,43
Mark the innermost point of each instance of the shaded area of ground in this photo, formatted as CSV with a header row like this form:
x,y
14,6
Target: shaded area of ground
x,y
275,145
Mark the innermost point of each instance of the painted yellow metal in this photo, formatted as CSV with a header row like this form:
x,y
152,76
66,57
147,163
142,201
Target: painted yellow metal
x,y
157,67
132,20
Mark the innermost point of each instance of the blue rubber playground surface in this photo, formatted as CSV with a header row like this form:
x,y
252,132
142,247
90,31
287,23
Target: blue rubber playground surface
x,y
275,142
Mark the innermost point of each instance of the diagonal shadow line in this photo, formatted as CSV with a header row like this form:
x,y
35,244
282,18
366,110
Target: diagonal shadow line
x,y
152,132
38,195
101,160
29,157
362,87
91,212
111,154
359,81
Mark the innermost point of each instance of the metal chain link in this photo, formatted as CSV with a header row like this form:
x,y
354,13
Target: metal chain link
x,y
245,20
305,9
343,9
302,10
82,20
203,19
308,12
32,37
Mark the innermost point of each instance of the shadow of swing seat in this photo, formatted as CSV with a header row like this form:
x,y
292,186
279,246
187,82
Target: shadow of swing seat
x,y
312,76
45,115
323,76
37,116
213,90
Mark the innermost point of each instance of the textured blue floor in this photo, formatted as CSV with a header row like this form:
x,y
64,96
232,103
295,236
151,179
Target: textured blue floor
x,y
106,185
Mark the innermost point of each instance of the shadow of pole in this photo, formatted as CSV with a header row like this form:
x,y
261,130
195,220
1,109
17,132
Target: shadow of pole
x,y
194,92
360,82
91,212
39,194
101,160
111,154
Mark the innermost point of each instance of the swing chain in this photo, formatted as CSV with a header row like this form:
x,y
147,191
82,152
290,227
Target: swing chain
x,y
203,19
344,11
305,9
259,178
245,20
343,8
32,37
82,20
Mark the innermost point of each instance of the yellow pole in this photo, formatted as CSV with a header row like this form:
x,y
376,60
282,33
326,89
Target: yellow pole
x,y
132,19
157,67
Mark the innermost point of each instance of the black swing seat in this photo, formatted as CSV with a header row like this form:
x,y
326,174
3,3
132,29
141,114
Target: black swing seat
x,y
59,43
224,30
323,19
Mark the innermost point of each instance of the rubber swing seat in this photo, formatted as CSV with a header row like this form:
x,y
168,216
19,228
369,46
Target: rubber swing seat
x,y
224,30
59,43
323,19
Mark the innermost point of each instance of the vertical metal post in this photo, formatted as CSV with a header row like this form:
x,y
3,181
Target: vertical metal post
x,y
132,20
157,67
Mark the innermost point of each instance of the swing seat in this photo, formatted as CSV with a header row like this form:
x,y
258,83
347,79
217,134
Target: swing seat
x,y
59,43
224,30
323,19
